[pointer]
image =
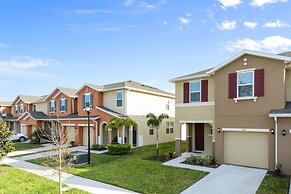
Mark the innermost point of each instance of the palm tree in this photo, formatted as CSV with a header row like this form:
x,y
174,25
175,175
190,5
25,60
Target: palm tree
x,y
155,122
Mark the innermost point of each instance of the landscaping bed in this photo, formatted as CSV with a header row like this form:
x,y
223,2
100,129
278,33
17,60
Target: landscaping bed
x,y
206,161
134,173
161,158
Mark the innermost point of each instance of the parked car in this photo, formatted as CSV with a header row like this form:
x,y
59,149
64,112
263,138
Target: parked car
x,y
18,137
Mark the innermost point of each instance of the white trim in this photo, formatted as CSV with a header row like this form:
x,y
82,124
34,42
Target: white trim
x,y
246,130
57,95
213,141
26,117
68,119
196,121
253,84
122,99
280,115
195,104
249,52
190,77
245,70
246,98
86,85
193,82
85,125
22,124
69,125
276,141
22,115
177,138
110,113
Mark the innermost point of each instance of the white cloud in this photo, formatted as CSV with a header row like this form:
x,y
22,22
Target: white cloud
x,y
251,25
24,63
128,2
276,24
227,25
183,20
189,14
165,22
229,3
260,3
150,6
271,43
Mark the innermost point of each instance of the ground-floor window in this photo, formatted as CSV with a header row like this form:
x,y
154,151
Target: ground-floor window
x,y
169,127
151,131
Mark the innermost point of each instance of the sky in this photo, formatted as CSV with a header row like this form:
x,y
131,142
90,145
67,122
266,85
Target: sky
x,y
50,43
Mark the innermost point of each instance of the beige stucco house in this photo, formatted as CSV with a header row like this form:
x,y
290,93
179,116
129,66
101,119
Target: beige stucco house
x,y
238,111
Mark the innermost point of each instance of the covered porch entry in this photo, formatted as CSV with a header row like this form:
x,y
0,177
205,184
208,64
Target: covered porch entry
x,y
199,137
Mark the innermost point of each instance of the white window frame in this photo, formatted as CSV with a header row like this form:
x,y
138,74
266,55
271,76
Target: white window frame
x,y
52,106
253,84
169,127
122,99
62,99
192,82
16,109
85,95
150,131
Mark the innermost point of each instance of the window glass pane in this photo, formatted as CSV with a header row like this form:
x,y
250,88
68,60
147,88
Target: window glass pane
x,y
119,95
195,87
195,97
245,91
62,102
245,78
119,103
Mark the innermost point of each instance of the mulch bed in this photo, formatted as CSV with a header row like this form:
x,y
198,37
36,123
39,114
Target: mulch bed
x,y
272,173
162,159
209,166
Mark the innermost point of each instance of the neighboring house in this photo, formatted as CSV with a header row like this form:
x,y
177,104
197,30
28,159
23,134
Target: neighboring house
x,y
5,110
124,100
239,111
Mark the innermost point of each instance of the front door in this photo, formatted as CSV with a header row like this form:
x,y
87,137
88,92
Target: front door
x,y
199,136
134,134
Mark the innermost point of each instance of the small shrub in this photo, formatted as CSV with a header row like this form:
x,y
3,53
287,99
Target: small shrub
x,y
98,147
201,160
119,149
278,170
171,154
73,144
35,138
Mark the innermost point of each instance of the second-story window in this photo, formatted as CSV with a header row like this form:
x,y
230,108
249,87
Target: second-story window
x,y
195,91
16,109
34,107
88,100
245,84
119,99
63,105
53,106
168,105
21,108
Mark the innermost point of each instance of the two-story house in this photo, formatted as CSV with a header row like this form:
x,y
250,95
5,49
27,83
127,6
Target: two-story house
x,y
238,111
127,99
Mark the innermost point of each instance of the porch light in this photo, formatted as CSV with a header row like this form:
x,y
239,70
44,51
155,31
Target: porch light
x,y
272,131
4,114
283,132
218,130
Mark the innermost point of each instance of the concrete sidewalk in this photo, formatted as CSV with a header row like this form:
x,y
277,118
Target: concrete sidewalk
x,y
228,179
73,181
45,147
290,187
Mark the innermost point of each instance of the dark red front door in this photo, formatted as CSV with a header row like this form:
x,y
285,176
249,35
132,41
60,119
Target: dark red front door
x,y
199,136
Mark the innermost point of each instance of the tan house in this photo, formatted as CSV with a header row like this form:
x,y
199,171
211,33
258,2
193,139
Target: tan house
x,y
127,99
238,111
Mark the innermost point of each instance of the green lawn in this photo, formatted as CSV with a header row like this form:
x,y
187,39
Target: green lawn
x,y
134,173
26,146
276,185
13,180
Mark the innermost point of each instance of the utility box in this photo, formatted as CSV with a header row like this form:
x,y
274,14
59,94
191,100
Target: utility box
x,y
79,158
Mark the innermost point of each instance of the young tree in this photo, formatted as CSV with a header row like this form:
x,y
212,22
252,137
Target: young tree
x,y
6,145
59,155
155,122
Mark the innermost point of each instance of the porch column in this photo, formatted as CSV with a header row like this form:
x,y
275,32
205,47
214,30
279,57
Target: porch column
x,y
188,138
29,131
79,136
130,136
123,134
110,135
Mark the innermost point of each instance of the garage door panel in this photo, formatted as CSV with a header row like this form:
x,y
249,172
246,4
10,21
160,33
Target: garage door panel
x,y
246,148
71,134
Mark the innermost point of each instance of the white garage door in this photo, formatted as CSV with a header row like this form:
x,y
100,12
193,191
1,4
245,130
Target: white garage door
x,y
246,148
85,136
71,134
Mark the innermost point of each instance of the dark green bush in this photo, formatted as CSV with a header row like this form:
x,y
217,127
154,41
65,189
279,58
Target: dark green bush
x,y
119,149
201,160
98,147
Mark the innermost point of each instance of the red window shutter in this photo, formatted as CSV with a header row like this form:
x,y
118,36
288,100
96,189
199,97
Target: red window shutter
x,y
186,92
232,85
204,91
259,82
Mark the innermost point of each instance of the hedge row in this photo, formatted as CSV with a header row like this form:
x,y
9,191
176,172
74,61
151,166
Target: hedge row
x,y
119,149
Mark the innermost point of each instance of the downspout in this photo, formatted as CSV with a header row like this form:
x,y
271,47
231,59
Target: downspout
x,y
276,142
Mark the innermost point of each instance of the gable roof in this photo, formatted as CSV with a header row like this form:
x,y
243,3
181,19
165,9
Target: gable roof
x,y
111,112
5,103
70,92
286,57
127,85
27,99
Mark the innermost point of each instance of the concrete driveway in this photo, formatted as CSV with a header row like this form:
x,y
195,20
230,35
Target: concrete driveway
x,y
228,179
